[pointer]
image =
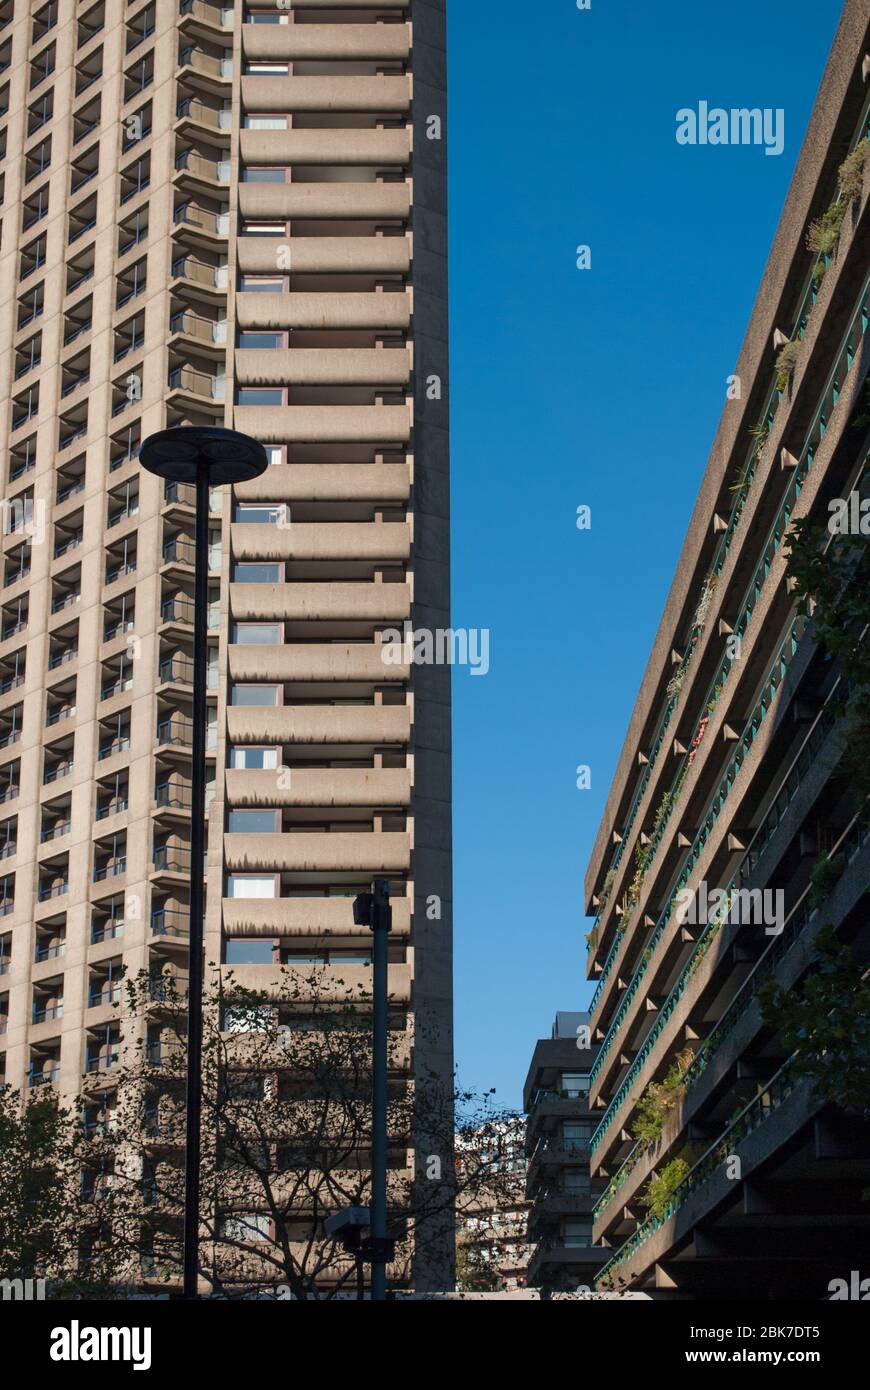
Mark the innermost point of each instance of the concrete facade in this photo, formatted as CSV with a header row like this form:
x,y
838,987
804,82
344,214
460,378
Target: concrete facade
x,y
221,215
729,779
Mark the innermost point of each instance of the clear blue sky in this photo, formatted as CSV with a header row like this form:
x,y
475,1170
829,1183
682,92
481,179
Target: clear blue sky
x,y
602,387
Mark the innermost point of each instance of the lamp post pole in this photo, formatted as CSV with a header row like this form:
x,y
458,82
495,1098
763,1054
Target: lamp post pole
x,y
205,457
382,915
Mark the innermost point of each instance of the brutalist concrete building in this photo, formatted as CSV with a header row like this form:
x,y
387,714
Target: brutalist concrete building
x,y
731,835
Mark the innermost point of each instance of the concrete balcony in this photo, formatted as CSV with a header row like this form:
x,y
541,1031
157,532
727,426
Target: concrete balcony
x,y
388,255
299,482
304,602
319,852
325,725
353,662
378,202
323,367
315,918
317,786
338,982
313,540
325,424
323,42
319,311
351,93
376,149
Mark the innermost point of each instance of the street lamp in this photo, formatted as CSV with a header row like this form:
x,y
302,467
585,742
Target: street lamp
x,y
206,456
373,910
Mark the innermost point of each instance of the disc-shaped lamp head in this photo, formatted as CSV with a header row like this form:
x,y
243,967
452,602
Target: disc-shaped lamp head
x,y
189,452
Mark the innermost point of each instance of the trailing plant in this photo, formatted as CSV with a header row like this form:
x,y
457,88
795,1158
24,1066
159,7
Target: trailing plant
x,y
824,877
832,584
824,233
662,1186
660,1099
786,362
607,886
825,1024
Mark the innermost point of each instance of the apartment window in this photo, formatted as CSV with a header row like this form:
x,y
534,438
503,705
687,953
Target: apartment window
x,y
577,1234
90,24
34,209
84,168
261,395
88,71
22,458
42,66
574,1085
132,231
135,178
82,218
80,270
37,160
32,257
129,336
251,886
40,112
278,229
256,696
25,407
253,822
70,479
262,340
76,372
263,173
260,69
253,757
86,120
123,503
257,634
266,122
44,20
8,837
262,284
245,573
251,952
136,127
28,355
140,28
575,1180
254,1227
138,76
260,513
132,282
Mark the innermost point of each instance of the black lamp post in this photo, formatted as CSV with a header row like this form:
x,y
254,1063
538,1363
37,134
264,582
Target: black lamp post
x,y
206,456
373,910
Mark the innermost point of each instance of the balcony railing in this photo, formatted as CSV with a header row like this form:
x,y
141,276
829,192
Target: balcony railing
x,y
750,1117
112,869
848,352
167,921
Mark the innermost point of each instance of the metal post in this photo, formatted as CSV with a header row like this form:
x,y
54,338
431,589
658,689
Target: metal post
x,y
381,923
197,857
204,456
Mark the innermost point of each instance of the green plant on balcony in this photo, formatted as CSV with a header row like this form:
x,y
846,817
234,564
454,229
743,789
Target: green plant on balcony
x,y
662,1186
824,233
660,1099
825,1025
824,877
832,578
607,886
786,362
760,434
592,938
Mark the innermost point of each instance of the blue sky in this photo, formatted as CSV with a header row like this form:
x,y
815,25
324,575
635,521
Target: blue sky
x,y
602,387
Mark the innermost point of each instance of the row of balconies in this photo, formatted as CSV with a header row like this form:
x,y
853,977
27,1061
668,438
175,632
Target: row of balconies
x,y
798,460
